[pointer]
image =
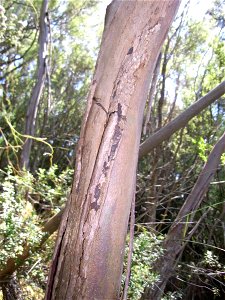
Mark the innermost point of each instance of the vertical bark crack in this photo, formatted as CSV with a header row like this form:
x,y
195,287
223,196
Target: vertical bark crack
x,y
55,264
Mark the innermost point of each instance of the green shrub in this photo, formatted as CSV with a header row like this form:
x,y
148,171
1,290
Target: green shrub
x,y
146,249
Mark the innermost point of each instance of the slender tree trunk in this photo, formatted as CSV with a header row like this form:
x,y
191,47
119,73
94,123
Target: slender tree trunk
x,y
174,241
31,115
151,93
181,121
161,100
87,262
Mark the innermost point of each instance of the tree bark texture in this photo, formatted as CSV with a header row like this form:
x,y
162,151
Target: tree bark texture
x,y
174,241
182,120
87,262
32,110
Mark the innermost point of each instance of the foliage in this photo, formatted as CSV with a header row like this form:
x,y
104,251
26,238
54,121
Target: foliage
x,y
15,214
64,95
28,199
172,296
146,250
33,274
193,63
52,187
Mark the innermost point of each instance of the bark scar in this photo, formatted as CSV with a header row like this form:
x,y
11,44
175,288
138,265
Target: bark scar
x,y
97,193
95,206
130,51
96,101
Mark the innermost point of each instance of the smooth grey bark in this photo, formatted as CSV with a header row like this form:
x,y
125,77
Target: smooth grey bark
x,y
182,120
32,110
175,239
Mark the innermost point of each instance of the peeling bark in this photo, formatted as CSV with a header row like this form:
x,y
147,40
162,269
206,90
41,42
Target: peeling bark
x,y
87,262
163,134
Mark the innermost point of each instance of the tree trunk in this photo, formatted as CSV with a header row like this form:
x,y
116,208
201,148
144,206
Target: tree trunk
x,y
87,262
165,132
31,115
174,241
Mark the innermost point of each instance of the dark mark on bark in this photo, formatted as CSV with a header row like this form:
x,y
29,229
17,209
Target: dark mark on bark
x,y
114,94
97,191
130,51
156,10
116,139
96,100
105,168
119,111
95,206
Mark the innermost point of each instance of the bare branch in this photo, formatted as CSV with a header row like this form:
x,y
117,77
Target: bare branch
x,y
182,120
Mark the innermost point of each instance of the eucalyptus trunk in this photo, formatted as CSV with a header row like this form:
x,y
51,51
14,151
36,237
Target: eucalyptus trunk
x,y
88,258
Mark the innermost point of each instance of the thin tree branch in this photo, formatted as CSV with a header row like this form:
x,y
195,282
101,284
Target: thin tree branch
x,y
173,243
31,115
182,120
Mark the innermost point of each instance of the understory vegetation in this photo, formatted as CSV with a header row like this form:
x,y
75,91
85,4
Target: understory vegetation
x,y
191,64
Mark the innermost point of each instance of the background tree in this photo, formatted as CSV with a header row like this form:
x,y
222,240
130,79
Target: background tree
x,y
19,48
191,65
42,74
171,173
